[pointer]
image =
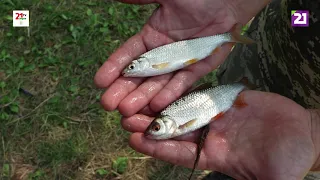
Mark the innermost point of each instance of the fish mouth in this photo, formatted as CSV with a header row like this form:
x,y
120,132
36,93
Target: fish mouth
x,y
148,135
124,73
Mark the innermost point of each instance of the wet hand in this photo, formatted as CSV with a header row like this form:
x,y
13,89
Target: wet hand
x,y
174,20
268,139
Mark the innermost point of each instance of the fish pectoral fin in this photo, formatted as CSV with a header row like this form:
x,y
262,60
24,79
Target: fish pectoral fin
x,y
187,124
191,61
219,115
239,102
160,66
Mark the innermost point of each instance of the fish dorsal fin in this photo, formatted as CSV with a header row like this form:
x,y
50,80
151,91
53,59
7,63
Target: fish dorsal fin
x,y
237,37
202,87
159,116
198,88
200,145
245,81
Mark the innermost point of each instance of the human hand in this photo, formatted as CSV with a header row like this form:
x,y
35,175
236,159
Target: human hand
x,y
174,20
271,138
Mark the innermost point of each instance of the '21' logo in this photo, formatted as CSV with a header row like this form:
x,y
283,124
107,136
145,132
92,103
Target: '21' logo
x,y
299,18
20,16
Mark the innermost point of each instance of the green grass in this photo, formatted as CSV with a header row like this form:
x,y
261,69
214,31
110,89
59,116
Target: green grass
x,y
61,131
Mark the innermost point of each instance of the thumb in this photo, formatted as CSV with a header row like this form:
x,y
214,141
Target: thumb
x,y
138,1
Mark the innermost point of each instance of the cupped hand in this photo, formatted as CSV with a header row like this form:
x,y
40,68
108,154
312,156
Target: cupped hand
x,y
268,139
174,20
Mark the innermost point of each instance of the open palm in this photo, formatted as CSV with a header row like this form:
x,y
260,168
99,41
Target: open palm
x,y
268,139
174,20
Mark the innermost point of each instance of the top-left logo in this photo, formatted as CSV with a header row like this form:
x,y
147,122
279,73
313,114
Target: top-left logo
x,y
20,18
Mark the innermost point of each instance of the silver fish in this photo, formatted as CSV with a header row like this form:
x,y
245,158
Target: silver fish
x,y
195,110
180,54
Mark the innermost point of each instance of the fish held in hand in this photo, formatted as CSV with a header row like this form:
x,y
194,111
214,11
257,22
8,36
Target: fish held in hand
x,y
180,54
195,110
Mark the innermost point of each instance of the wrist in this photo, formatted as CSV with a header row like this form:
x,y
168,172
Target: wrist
x,y
315,134
245,10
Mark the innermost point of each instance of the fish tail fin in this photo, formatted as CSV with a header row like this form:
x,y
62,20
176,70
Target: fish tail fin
x,y
237,37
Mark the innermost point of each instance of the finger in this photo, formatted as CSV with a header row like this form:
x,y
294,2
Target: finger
x,y
181,153
184,79
190,137
112,68
136,123
220,25
139,98
118,90
147,111
140,122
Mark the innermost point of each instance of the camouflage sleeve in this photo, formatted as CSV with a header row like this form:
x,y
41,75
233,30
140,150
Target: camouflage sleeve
x,y
285,59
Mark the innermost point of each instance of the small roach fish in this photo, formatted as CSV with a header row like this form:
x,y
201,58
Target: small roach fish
x,y
196,110
180,54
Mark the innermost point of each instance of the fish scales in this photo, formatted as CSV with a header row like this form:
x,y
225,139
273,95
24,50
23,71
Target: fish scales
x,y
203,105
186,49
198,107
180,54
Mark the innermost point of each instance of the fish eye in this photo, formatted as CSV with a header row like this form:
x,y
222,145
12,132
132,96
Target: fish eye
x,y
131,66
156,127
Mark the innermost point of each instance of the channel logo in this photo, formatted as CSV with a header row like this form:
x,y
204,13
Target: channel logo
x,y
20,18
300,18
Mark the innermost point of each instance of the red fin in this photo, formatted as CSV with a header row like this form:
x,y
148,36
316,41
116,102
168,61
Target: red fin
x,y
239,102
217,116
216,50
245,81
